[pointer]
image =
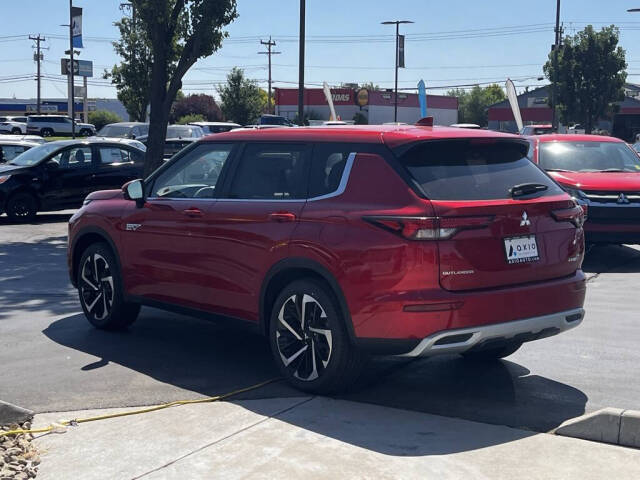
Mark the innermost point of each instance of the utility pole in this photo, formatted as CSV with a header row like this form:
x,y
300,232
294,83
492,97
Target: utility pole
x,y
301,65
554,89
395,95
269,52
71,73
38,58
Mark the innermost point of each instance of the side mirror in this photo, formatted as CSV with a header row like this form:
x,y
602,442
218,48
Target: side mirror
x,y
134,190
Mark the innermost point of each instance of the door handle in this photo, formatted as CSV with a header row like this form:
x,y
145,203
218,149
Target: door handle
x,y
193,212
282,217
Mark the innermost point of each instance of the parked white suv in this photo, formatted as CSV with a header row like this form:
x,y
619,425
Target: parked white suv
x,y
13,125
50,125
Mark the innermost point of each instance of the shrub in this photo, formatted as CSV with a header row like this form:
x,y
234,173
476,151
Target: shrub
x,y
100,118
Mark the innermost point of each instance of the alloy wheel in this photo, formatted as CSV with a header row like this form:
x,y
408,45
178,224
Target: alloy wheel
x,y
96,286
303,337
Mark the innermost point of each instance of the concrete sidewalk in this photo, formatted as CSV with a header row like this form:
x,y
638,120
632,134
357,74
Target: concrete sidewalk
x,y
314,437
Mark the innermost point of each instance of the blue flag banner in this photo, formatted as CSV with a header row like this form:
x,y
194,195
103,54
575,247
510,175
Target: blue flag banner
x,y
422,98
76,26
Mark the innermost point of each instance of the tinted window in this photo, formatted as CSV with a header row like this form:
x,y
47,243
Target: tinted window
x,y
472,170
71,158
195,175
327,166
9,152
114,131
588,156
19,119
114,155
273,172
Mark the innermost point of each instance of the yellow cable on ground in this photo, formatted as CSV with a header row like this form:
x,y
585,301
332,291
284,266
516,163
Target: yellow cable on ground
x,y
60,427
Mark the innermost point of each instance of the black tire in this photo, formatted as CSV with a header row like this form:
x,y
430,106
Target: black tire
x,y
22,207
100,290
323,338
493,353
16,131
85,132
46,132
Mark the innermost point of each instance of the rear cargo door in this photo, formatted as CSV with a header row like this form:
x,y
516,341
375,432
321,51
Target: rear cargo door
x,y
502,220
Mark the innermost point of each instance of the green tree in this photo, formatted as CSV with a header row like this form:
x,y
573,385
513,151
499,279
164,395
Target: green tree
x,y
590,75
473,105
132,76
190,118
242,99
370,86
100,118
180,32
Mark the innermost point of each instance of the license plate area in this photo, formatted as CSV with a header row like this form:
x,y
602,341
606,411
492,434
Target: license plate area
x,y
521,249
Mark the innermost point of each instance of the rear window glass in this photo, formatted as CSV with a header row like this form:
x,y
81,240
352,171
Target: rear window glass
x,y
473,169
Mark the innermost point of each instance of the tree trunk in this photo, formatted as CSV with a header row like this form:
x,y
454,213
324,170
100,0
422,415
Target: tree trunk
x,y
159,114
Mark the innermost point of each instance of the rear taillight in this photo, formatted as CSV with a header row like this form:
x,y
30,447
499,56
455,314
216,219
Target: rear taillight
x,y
575,215
428,228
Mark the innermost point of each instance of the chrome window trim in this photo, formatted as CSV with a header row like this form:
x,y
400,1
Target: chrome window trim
x,y
342,186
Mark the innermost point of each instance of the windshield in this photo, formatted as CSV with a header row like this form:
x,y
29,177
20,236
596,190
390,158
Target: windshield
x,y
114,131
176,131
588,157
35,154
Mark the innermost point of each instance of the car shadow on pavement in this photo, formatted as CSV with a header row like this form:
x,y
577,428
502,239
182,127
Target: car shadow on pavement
x,y
34,278
204,358
611,258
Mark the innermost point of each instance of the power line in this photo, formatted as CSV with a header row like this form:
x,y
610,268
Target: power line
x,y
269,52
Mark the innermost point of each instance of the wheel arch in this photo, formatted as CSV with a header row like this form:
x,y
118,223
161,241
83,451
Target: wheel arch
x,y
85,237
289,270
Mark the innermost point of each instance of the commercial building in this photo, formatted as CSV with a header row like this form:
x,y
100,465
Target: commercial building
x,y
22,106
534,108
377,106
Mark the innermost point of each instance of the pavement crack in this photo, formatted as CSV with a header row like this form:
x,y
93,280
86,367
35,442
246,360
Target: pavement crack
x,y
226,437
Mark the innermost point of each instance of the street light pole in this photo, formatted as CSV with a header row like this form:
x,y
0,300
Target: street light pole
x,y
554,88
71,92
395,94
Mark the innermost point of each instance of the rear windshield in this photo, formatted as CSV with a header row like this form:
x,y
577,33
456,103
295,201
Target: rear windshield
x,y
114,131
588,157
473,169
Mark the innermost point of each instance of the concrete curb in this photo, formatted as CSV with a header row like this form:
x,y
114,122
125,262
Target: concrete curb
x,y
609,425
10,413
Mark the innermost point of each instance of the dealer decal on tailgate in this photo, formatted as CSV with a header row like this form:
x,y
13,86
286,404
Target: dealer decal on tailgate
x,y
521,249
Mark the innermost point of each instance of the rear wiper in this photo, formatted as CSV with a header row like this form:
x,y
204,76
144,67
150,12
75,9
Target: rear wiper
x,y
613,170
527,189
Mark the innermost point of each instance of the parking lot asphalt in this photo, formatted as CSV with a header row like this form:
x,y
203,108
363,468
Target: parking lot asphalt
x,y
51,359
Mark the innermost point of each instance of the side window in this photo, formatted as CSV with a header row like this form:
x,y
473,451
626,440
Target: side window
x,y
327,167
531,149
9,152
110,155
271,172
72,158
195,175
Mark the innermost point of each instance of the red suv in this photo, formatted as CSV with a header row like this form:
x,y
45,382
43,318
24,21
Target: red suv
x,y
603,175
339,242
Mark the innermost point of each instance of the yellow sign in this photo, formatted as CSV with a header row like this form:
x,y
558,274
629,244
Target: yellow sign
x,y
362,97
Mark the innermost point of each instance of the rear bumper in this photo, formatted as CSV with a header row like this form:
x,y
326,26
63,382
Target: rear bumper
x,y
525,330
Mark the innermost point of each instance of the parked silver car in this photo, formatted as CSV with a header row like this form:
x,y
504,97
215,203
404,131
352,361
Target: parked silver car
x,y
13,125
50,125
10,148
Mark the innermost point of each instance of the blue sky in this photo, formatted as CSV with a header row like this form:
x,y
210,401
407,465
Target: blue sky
x,y
451,43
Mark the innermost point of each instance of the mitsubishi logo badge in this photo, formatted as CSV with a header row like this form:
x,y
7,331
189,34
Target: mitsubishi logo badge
x,y
525,220
622,198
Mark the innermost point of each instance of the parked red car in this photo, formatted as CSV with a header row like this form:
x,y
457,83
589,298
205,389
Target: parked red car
x,y
342,241
603,175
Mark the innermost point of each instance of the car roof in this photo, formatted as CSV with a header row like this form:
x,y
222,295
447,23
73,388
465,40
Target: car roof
x,y
222,124
126,124
568,137
90,140
9,141
392,135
